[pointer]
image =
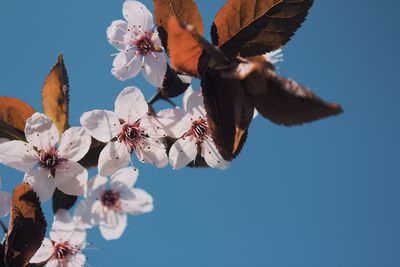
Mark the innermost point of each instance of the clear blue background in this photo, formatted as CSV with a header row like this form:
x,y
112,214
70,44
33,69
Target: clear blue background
x,y
325,194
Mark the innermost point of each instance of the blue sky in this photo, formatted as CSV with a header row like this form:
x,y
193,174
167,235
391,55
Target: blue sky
x,y
324,194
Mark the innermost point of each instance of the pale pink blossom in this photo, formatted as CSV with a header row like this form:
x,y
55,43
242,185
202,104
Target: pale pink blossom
x,y
108,203
64,248
140,47
190,126
130,128
48,161
5,202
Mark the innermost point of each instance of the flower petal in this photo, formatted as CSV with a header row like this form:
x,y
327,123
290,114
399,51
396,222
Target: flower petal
x,y
125,177
63,226
18,155
136,201
96,185
175,122
211,155
40,131
193,103
114,225
83,213
137,15
126,65
130,104
154,69
114,156
153,153
44,252
72,179
5,203
101,124
41,183
77,260
182,152
53,263
75,143
116,32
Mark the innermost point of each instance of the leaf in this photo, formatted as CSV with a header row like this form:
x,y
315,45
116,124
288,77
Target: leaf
x,y
62,201
13,115
174,83
254,27
55,95
185,52
27,227
185,11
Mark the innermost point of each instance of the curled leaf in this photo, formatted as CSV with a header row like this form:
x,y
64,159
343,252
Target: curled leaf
x,y
55,95
62,201
174,83
27,227
254,27
13,115
185,11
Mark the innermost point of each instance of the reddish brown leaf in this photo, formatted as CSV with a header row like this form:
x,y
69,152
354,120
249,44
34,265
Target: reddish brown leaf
x,y
254,27
55,95
185,11
184,50
27,227
13,115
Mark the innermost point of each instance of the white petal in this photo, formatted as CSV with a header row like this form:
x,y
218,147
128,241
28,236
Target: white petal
x,y
75,143
44,252
114,225
255,114
114,156
72,179
78,238
152,126
63,226
115,34
54,263
131,105
40,131
96,185
103,125
126,65
18,155
212,156
5,203
155,66
77,260
182,152
175,122
153,153
125,177
138,16
83,213
41,182
137,201
193,103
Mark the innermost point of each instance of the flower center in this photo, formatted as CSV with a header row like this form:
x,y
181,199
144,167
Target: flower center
x,y
199,129
49,159
131,134
63,250
144,44
110,199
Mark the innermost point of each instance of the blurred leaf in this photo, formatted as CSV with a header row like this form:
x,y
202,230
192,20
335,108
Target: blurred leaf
x,y
185,11
174,84
184,50
55,95
27,227
13,115
62,201
254,27
92,157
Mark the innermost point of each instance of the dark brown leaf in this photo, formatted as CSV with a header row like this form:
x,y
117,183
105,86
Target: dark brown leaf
x,y
27,227
55,95
62,201
185,11
174,84
254,27
13,115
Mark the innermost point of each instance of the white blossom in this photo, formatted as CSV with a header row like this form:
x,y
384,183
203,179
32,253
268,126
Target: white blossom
x,y
126,130
108,203
190,126
48,165
140,47
5,202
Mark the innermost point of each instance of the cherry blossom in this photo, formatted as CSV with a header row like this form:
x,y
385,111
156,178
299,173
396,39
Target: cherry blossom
x,y
190,127
140,47
130,128
108,203
48,165
5,202
64,248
